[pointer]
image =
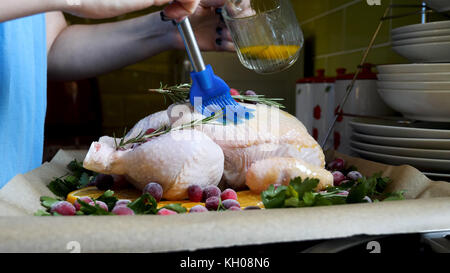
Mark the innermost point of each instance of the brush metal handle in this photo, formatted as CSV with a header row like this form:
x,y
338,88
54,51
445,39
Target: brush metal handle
x,y
190,42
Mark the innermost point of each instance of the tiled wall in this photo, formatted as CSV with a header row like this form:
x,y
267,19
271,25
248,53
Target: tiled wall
x,y
338,31
124,93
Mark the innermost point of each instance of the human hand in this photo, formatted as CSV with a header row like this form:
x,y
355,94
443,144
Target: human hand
x,y
99,9
210,30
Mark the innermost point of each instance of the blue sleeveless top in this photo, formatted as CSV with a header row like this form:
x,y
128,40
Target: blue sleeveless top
x,y
23,100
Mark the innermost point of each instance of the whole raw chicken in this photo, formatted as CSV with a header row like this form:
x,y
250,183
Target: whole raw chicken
x,y
270,148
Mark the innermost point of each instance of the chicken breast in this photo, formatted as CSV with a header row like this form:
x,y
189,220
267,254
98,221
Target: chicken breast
x,y
175,160
280,170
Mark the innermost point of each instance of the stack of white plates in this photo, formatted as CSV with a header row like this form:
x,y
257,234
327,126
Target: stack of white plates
x,y
424,43
423,145
439,5
418,91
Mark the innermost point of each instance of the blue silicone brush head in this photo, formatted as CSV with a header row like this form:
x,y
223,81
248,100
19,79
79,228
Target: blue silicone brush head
x,y
210,94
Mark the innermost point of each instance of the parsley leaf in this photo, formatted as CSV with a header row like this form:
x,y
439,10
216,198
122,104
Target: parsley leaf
x,y
175,207
145,204
47,202
78,178
274,197
92,210
42,212
308,185
109,199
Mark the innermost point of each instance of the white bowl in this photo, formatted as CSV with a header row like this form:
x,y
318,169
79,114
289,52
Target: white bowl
x,y
426,53
421,27
445,86
419,105
439,5
413,68
415,77
421,34
433,39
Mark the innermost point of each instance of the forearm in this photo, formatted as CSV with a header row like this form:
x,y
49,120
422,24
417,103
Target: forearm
x,y
12,9
82,51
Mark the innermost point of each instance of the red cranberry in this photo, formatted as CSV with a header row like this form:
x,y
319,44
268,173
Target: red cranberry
x,y
166,212
338,178
212,203
230,203
63,208
195,193
228,194
198,208
85,199
155,190
337,165
211,191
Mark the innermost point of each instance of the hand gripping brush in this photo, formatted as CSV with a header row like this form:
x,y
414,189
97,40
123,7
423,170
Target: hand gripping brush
x,y
209,94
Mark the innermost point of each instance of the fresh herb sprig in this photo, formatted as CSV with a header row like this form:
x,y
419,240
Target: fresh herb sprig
x,y
180,94
143,137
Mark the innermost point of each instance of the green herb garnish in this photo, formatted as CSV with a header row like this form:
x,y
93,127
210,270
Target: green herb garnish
x,y
77,179
302,193
180,94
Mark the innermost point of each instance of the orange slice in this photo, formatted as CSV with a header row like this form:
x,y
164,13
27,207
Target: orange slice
x,y
245,198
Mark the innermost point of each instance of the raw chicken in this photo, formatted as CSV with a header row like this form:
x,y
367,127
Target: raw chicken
x,y
219,151
175,160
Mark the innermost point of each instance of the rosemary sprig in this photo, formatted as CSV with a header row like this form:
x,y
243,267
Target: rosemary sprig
x,y
143,137
180,94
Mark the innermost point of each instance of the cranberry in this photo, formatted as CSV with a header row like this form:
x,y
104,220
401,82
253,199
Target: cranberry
x,y
166,212
250,93
101,204
252,208
195,193
212,203
155,190
211,191
234,92
337,165
228,194
230,203
338,178
122,210
198,208
275,186
122,202
85,199
64,208
104,182
354,175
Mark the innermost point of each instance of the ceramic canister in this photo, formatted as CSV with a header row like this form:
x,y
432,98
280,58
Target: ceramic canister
x,y
364,100
323,106
304,101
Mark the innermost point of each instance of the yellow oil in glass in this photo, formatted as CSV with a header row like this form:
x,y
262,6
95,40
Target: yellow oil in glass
x,y
268,58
